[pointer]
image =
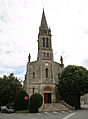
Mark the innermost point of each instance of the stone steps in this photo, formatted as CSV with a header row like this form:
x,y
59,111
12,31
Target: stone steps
x,y
56,106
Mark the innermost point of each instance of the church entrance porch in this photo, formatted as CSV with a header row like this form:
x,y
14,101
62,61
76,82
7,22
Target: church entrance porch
x,y
47,97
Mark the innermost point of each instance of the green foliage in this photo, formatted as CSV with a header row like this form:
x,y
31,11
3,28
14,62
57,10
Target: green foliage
x,y
73,81
9,87
11,93
73,99
61,65
36,101
20,102
22,111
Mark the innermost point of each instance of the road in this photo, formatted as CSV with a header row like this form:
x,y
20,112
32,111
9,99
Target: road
x,y
81,114
76,114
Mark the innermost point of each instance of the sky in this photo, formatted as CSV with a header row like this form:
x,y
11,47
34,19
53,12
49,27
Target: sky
x,y
19,27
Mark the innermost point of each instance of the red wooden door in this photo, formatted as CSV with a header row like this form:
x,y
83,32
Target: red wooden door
x,y
45,97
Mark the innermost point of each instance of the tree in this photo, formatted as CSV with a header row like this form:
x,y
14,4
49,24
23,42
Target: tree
x,y
20,102
73,84
9,87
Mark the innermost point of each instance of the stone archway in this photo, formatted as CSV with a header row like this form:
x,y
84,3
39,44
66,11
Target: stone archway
x,y
47,95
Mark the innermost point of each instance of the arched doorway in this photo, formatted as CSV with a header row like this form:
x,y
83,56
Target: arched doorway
x,y
47,95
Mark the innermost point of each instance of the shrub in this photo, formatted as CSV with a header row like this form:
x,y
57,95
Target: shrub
x,y
36,101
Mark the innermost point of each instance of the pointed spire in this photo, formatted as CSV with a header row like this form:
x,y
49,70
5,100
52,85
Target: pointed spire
x,y
43,29
29,57
43,20
61,60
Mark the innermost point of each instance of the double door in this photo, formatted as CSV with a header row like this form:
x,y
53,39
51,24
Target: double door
x,y
47,97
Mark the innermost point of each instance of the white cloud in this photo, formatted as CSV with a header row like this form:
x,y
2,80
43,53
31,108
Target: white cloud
x,y
19,25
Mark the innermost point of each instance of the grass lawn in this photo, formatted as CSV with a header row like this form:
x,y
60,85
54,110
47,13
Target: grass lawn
x,y
22,111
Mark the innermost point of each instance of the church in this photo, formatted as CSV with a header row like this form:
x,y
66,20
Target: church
x,y
42,76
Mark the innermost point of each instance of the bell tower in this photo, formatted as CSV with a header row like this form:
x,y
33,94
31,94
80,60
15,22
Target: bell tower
x,y
45,51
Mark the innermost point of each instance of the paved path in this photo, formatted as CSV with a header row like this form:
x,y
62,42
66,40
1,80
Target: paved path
x,y
42,115
70,114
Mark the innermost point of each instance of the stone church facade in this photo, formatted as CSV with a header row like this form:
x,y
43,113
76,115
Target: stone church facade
x,y
42,76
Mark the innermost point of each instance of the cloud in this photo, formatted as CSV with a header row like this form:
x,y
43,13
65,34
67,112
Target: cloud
x,y
19,27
